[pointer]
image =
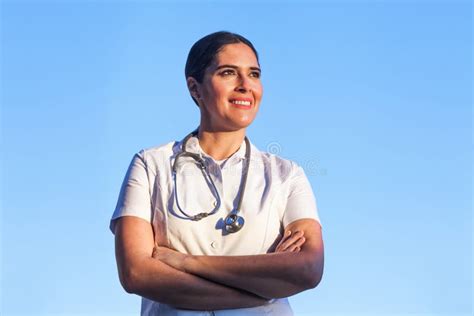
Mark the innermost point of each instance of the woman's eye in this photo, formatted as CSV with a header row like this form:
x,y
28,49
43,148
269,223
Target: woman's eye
x,y
227,72
255,74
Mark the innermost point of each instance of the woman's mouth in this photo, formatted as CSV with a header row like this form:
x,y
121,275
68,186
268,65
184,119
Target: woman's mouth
x,y
241,103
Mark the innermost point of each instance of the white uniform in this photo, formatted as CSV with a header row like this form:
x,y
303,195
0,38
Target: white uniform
x,y
277,193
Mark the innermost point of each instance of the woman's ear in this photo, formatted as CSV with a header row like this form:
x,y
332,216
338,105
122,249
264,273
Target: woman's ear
x,y
193,88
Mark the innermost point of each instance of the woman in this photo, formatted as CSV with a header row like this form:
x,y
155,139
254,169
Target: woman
x,y
210,225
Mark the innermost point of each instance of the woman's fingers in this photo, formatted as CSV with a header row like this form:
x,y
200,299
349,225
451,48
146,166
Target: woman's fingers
x,y
285,237
291,241
300,241
296,244
294,249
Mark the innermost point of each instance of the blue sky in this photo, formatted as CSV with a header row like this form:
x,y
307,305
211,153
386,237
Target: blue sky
x,y
372,98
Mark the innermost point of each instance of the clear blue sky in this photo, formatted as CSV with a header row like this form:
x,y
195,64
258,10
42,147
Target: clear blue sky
x,y
372,98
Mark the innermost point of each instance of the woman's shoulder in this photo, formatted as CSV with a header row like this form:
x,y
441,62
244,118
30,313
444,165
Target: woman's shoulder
x,y
159,153
164,148
279,166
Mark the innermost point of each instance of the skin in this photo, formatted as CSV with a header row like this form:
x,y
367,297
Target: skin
x,y
234,74
291,242
143,275
193,282
273,275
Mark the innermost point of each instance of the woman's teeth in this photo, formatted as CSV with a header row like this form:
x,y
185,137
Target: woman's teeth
x,y
240,102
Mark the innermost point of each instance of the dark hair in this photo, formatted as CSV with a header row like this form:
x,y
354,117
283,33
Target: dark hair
x,y
205,50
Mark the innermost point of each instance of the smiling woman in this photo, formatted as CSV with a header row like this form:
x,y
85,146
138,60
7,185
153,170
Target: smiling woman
x,y
230,92
210,225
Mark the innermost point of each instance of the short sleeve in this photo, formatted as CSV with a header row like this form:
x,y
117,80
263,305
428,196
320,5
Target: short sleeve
x,y
301,202
134,197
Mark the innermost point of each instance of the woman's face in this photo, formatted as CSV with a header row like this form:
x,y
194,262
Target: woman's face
x,y
230,93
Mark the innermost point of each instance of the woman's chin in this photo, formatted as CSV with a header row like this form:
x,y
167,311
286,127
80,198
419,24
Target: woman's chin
x,y
234,124
240,124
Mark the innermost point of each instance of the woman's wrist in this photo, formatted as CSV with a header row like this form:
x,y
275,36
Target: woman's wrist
x,y
188,263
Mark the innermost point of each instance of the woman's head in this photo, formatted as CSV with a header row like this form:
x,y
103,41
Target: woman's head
x,y
223,77
205,50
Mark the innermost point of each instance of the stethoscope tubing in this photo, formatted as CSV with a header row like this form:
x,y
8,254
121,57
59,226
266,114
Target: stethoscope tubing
x,y
233,222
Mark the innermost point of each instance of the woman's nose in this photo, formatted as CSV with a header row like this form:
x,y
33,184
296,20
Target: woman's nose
x,y
243,84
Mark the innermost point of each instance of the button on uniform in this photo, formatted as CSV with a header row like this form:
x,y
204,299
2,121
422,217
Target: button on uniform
x,y
214,244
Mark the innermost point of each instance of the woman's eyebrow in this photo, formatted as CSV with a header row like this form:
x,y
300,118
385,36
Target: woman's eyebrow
x,y
235,67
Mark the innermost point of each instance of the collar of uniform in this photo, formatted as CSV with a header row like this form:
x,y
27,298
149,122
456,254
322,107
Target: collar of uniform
x,y
194,147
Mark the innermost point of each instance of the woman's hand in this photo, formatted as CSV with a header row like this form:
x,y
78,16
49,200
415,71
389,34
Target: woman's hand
x,y
291,242
170,257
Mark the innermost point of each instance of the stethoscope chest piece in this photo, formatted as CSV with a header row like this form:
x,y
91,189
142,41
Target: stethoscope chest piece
x,y
233,223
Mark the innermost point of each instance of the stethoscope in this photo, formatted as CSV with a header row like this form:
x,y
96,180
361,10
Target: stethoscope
x,y
233,221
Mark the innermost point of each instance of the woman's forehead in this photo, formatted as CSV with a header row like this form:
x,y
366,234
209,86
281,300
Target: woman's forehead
x,y
238,54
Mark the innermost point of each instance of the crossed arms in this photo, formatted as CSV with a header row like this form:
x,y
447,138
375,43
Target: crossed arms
x,y
193,282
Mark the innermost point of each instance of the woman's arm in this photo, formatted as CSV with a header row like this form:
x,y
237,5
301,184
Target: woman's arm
x,y
271,275
141,274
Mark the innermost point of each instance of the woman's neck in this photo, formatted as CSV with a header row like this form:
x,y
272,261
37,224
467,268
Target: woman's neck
x,y
220,145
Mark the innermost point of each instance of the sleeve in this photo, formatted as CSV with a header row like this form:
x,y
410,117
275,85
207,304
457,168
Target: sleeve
x,y
134,198
301,202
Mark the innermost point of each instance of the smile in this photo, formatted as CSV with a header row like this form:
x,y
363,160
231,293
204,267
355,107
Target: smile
x,y
241,103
